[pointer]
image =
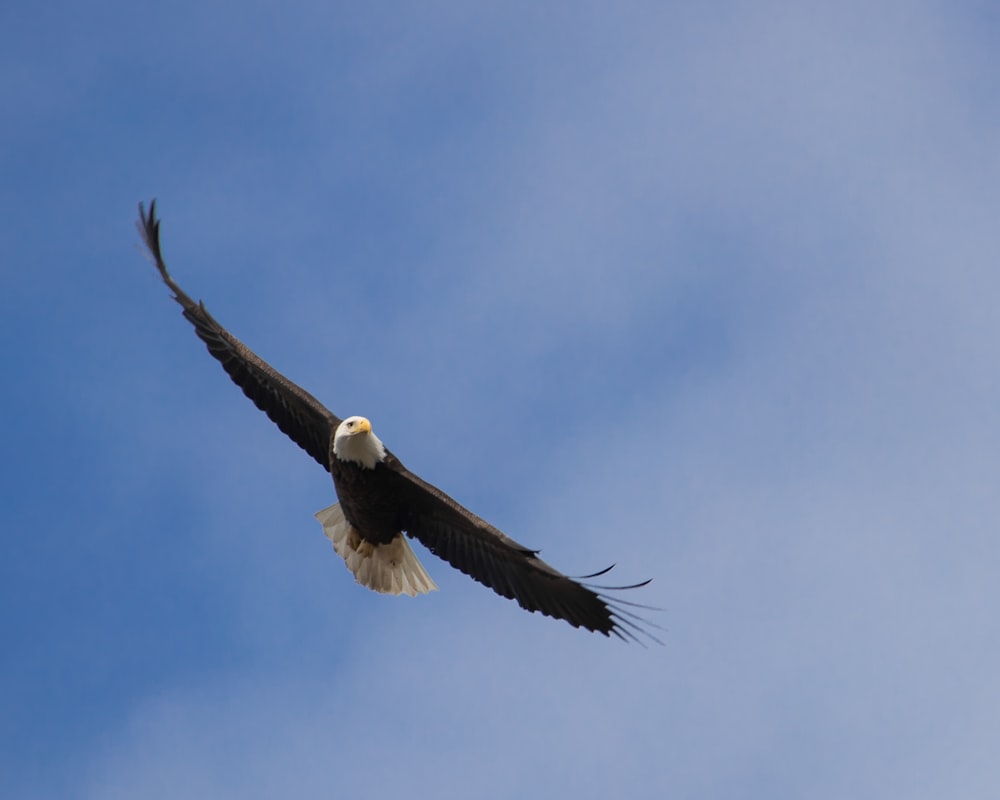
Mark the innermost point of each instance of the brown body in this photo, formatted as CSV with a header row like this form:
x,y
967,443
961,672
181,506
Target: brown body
x,y
369,499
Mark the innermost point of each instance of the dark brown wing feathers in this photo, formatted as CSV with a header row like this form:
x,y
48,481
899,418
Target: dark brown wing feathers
x,y
297,413
486,554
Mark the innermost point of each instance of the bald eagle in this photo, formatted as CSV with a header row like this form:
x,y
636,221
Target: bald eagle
x,y
379,499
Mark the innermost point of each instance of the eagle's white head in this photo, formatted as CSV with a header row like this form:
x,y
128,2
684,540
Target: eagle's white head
x,y
354,441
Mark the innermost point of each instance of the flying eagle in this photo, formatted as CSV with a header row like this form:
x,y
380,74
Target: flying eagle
x,y
380,499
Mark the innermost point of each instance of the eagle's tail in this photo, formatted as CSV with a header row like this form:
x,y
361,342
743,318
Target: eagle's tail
x,y
387,568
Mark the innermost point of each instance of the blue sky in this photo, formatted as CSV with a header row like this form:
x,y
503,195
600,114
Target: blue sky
x,y
709,292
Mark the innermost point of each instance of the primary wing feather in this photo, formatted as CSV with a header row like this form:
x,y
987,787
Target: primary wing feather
x,y
297,413
486,554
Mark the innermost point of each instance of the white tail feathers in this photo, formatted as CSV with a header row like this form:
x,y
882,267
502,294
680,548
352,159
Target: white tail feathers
x,y
387,568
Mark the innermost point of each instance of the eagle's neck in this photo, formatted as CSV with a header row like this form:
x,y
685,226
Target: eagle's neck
x,y
365,449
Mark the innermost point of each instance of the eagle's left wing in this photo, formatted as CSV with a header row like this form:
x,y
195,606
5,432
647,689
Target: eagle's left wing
x,y
486,554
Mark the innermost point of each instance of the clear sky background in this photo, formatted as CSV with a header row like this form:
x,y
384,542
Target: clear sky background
x,y
707,290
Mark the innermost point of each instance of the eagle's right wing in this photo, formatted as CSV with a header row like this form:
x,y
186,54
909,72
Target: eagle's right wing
x,y
296,412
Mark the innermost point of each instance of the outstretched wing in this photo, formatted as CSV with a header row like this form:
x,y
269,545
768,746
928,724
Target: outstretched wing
x,y
296,412
486,554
